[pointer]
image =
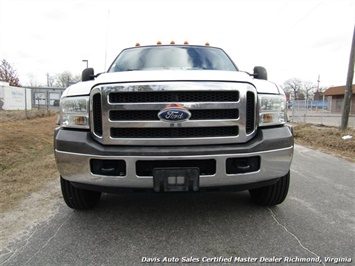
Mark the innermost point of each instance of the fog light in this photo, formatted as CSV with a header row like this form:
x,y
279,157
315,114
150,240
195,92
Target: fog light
x,y
242,165
108,167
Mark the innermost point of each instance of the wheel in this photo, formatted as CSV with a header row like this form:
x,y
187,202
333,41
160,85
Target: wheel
x,y
76,198
273,194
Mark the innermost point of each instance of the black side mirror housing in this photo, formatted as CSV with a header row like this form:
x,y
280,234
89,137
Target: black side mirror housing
x,y
260,72
87,74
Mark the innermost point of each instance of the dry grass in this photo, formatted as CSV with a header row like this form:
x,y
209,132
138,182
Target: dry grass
x,y
27,159
327,139
7,116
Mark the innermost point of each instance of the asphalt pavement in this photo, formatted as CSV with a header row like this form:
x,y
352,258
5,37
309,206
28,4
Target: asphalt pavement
x,y
314,226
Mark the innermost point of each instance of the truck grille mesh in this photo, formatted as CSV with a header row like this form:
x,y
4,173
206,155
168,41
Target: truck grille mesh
x,y
97,114
250,109
174,132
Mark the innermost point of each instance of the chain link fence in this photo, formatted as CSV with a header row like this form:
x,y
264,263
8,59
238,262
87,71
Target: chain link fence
x,y
23,103
47,99
315,112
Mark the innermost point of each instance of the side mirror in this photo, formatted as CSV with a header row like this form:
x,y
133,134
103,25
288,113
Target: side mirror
x,y
87,74
260,73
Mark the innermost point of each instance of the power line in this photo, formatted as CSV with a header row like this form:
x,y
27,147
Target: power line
x,y
314,8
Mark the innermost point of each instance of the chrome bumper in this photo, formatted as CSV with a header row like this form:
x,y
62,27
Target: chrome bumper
x,y
76,168
275,160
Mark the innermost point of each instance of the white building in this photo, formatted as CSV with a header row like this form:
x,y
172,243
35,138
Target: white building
x,y
14,98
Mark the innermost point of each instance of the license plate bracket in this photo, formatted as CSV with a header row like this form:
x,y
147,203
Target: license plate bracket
x,y
176,179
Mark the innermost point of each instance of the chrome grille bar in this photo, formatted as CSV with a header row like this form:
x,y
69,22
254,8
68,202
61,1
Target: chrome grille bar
x,y
233,120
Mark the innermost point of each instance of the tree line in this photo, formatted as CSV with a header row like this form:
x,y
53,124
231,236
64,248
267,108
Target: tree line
x,y
300,89
63,79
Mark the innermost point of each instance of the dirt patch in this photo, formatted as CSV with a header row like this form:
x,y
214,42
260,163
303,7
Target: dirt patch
x,y
327,139
27,158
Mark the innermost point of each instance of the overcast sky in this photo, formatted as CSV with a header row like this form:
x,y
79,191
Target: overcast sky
x,y
301,39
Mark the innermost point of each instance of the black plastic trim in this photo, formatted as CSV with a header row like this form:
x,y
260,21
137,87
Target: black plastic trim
x,y
81,142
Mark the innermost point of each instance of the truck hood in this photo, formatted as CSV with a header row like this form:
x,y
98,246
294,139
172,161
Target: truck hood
x,y
84,88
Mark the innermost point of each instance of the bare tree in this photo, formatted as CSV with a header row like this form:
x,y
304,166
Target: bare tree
x,y
76,78
294,86
66,78
308,88
50,80
33,82
8,74
63,79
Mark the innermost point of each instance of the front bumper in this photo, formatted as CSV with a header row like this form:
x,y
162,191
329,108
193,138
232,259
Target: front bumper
x,y
75,151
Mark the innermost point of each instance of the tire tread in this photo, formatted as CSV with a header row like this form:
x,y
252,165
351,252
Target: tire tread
x,y
273,194
76,198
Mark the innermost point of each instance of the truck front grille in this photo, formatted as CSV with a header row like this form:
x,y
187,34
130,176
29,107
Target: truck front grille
x,y
127,114
250,109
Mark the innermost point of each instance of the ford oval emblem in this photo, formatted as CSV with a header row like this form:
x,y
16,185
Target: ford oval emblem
x,y
174,113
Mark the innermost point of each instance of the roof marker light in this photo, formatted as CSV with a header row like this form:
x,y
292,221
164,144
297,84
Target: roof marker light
x,y
172,42
186,42
207,44
158,42
137,44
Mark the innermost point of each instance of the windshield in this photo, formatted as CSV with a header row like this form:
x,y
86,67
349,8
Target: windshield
x,y
172,58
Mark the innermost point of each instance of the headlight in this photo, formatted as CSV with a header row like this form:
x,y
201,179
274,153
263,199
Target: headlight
x,y
272,110
75,112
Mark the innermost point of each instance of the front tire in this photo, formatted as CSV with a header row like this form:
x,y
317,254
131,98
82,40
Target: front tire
x,y
76,198
273,194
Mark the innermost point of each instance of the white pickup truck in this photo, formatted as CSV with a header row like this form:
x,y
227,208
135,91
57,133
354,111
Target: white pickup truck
x,y
173,118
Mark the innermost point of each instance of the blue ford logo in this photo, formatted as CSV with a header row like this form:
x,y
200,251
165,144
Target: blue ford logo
x,y
174,113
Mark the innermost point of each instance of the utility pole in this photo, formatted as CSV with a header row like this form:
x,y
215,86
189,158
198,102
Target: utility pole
x,y
348,89
318,83
318,93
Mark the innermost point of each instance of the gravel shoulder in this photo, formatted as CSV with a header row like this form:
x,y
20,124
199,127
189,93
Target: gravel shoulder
x,y
39,206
